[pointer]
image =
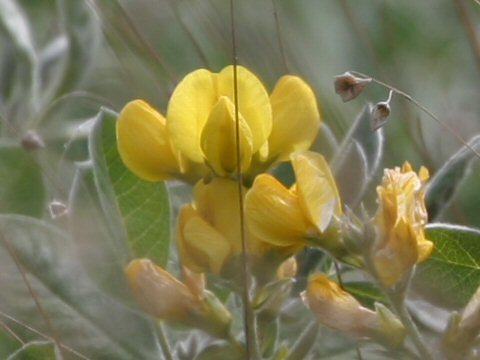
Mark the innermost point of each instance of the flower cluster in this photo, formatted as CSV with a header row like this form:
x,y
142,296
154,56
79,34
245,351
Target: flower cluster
x,y
197,142
198,133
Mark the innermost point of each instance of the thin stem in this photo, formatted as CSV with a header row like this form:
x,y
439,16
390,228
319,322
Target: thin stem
x,y
31,291
279,36
398,304
11,332
35,331
423,108
167,351
249,318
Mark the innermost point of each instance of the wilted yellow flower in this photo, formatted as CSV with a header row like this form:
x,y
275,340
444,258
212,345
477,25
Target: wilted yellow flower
x,y
291,217
200,126
160,294
208,230
337,309
400,221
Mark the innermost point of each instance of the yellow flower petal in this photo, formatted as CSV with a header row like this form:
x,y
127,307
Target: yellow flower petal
x,y
254,103
296,119
159,293
188,111
273,213
218,204
143,142
218,139
316,188
398,255
202,248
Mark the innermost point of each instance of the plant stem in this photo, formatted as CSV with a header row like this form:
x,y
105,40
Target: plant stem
x,y
163,341
398,303
248,314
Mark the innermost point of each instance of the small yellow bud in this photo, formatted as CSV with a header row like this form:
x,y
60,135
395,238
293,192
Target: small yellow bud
x,y
339,310
160,294
288,268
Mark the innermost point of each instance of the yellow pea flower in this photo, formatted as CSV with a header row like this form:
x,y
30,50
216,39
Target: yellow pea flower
x,y
203,103
338,310
295,115
400,221
143,142
290,217
208,230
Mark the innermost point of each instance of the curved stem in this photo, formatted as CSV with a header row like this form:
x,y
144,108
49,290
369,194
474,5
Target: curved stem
x,y
164,345
398,304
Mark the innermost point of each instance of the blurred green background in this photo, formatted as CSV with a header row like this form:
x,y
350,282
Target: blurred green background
x,y
61,60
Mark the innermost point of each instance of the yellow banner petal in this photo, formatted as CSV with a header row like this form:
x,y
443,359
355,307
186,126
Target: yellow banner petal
x,y
296,118
188,111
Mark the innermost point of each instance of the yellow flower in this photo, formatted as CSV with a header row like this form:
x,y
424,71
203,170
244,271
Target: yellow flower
x,y
143,142
200,126
160,294
203,103
337,309
400,221
290,217
208,231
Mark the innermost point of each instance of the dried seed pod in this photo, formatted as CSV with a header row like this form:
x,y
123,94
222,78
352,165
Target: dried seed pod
x,y
349,86
380,112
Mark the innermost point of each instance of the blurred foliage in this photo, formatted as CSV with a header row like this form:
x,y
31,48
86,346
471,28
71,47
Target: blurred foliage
x,y
61,60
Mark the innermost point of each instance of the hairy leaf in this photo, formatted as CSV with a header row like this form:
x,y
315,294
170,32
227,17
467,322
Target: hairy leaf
x,y
443,185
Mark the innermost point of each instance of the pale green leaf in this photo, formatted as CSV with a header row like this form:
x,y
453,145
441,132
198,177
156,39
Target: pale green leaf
x,y
137,210
22,190
452,273
82,318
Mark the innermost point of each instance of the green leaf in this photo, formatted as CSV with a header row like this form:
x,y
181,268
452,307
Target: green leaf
x,y
22,190
35,350
365,292
442,187
137,210
452,273
83,318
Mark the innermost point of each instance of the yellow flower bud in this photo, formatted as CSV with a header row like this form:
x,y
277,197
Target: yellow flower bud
x,y
337,309
400,222
143,142
160,294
